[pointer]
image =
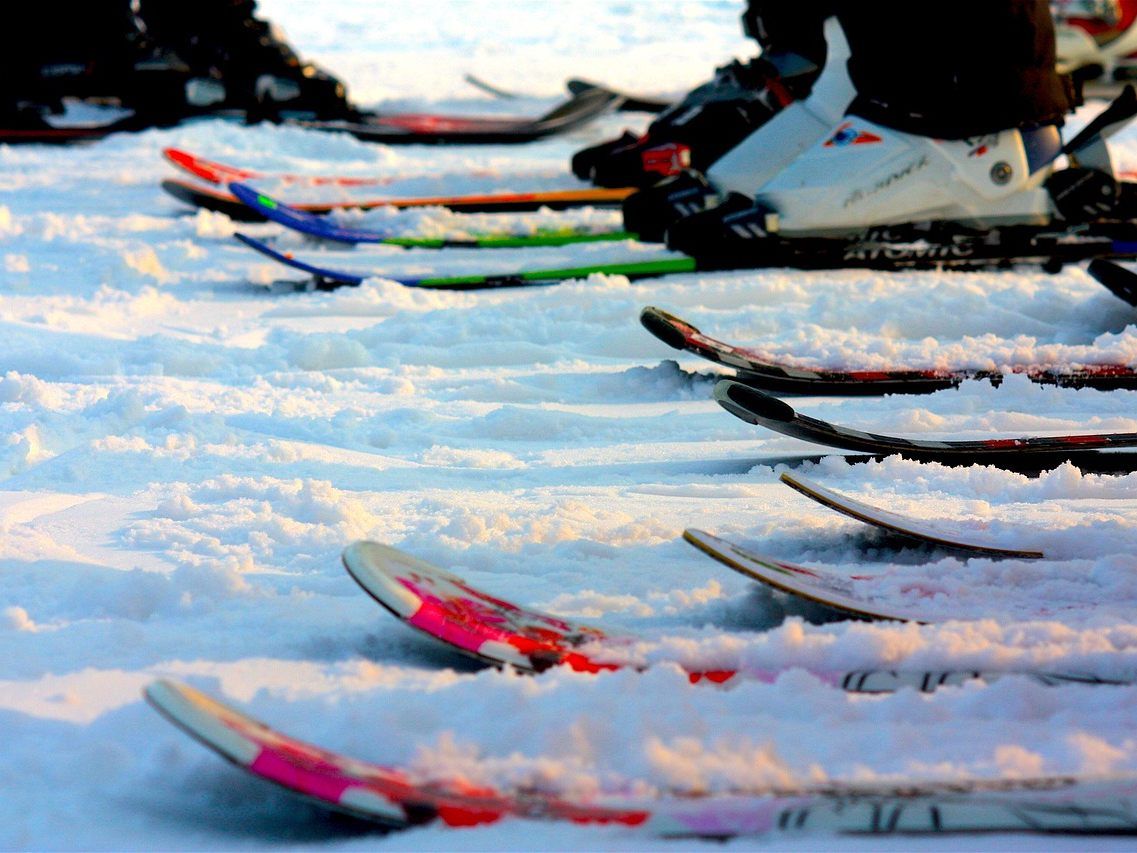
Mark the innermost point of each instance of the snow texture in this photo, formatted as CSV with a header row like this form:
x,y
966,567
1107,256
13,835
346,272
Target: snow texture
x,y
186,447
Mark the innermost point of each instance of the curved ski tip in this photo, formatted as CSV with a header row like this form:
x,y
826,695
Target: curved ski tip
x,y
703,541
251,242
694,535
378,568
177,189
248,195
217,725
161,693
751,405
661,324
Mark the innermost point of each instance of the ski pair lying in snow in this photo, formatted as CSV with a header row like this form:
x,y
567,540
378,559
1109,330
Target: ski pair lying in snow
x,y
489,628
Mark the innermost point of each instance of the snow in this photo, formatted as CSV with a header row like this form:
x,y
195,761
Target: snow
x,y
186,447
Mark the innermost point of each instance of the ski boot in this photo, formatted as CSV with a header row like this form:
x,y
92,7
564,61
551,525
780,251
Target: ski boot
x,y
697,130
88,50
863,174
755,160
242,63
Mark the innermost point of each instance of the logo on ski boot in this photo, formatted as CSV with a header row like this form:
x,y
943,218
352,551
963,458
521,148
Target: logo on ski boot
x,y
980,145
846,134
669,159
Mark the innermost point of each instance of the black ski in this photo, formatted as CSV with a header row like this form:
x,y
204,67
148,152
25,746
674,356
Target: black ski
x,y
760,409
579,109
759,372
628,103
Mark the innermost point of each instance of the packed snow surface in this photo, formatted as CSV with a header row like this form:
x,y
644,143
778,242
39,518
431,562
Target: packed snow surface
x,y
186,446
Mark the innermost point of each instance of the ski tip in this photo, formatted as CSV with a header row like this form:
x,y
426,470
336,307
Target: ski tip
x,y
661,324
251,242
175,188
377,569
576,86
251,197
693,535
751,405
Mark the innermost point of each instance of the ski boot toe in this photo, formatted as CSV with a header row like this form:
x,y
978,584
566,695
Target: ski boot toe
x,y
722,233
651,211
586,161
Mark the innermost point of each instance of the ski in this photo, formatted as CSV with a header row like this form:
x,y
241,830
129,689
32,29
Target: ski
x,y
868,251
48,135
628,103
320,227
487,628
395,799
760,409
835,591
326,277
447,608
54,130
759,372
922,531
222,174
936,246
220,201
214,172
348,785
582,107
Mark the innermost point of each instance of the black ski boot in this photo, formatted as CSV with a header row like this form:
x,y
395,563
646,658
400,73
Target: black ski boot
x,y
695,132
239,62
650,212
727,235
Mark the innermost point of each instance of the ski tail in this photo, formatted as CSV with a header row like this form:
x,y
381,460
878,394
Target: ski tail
x,y
490,89
628,103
